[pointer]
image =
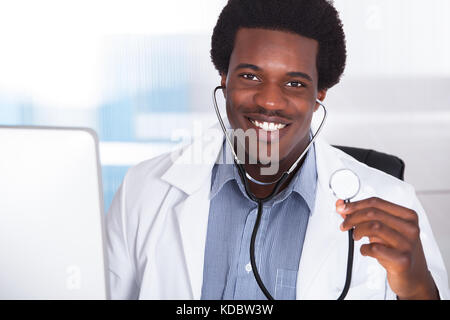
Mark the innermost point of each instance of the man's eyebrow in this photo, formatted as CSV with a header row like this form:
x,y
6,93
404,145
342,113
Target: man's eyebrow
x,y
291,74
247,65
300,75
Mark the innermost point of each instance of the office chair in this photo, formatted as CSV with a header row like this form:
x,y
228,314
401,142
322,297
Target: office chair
x,y
385,162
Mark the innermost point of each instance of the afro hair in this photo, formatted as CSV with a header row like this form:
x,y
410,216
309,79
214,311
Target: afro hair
x,y
315,19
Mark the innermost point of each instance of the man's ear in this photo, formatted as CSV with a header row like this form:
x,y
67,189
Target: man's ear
x,y
223,83
321,96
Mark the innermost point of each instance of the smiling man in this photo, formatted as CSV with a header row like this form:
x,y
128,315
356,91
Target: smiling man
x,y
179,230
278,88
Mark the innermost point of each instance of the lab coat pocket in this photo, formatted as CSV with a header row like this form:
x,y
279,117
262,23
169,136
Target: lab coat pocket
x,y
373,287
285,284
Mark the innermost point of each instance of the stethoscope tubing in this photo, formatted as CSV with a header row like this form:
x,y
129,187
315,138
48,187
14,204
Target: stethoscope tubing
x,y
278,183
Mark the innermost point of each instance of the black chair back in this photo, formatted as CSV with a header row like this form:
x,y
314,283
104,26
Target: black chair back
x,y
378,160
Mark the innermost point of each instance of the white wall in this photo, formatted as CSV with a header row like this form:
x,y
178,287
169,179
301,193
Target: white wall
x,y
396,94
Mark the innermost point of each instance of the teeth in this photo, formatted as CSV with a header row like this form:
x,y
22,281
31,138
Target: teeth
x,y
268,126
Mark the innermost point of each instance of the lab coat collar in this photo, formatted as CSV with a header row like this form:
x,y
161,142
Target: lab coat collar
x,y
198,157
205,151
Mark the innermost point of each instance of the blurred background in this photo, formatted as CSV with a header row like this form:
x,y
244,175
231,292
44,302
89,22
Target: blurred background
x,y
136,71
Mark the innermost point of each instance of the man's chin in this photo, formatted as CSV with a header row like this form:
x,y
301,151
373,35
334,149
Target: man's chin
x,y
264,154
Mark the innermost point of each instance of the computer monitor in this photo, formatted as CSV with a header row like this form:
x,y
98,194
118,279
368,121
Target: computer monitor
x,y
51,214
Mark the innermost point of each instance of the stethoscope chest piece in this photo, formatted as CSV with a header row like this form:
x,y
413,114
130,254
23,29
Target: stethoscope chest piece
x,y
345,184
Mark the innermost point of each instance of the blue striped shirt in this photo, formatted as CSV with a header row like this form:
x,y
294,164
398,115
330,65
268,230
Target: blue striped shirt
x,y
227,272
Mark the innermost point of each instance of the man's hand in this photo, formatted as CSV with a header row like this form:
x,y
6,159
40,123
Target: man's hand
x,y
393,232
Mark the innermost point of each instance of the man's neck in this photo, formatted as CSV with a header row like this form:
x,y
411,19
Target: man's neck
x,y
262,191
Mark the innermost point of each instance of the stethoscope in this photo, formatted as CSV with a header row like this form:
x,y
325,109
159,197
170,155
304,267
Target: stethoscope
x,y
339,191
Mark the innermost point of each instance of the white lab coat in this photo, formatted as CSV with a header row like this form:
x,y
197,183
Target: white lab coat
x,y
157,224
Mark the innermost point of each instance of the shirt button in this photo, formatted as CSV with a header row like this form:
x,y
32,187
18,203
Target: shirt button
x,y
248,267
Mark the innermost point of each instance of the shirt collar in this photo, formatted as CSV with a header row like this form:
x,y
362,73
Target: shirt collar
x,y
222,173
304,182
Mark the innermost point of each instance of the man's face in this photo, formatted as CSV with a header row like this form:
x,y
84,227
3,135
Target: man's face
x,y
271,87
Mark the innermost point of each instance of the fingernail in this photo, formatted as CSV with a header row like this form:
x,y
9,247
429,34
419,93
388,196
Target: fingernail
x,y
341,208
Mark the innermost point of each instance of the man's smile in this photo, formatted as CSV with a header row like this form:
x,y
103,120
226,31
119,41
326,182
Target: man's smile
x,y
267,128
267,123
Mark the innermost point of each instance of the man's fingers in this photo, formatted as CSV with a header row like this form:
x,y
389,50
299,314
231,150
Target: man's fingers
x,y
409,229
393,260
396,210
378,230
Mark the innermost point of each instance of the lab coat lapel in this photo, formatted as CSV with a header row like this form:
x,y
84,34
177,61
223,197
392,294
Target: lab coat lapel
x,y
191,173
323,225
323,235
192,216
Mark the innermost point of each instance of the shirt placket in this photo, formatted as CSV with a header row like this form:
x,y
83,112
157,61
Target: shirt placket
x,y
246,285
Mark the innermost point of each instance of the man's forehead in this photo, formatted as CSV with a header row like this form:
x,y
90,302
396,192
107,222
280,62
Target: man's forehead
x,y
274,49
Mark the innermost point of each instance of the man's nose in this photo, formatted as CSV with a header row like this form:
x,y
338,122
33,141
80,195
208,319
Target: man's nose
x,y
271,97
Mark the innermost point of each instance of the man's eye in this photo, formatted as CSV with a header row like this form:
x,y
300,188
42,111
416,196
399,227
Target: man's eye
x,y
295,84
249,76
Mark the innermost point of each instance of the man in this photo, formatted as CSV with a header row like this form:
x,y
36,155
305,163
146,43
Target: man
x,y
181,230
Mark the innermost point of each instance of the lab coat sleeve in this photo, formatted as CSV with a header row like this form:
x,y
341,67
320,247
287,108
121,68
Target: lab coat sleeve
x,y
433,255
122,277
